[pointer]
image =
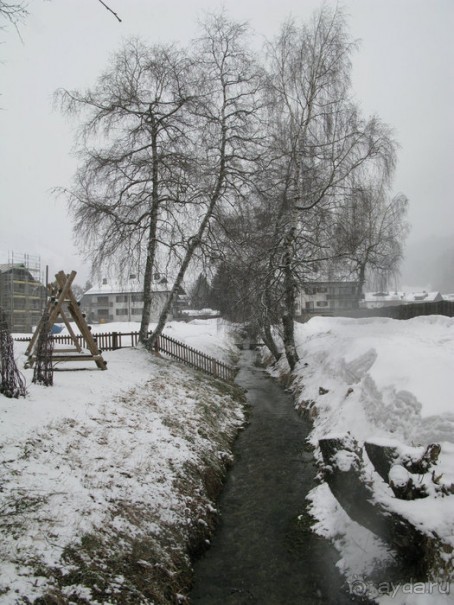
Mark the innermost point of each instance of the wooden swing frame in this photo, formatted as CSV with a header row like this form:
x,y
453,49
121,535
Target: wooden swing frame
x,y
60,293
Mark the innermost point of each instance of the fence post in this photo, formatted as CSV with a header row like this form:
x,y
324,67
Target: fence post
x,y
114,341
157,345
213,367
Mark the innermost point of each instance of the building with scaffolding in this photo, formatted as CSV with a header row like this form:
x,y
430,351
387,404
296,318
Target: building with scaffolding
x,y
22,294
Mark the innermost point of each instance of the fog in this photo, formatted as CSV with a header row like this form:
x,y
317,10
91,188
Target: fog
x,y
402,71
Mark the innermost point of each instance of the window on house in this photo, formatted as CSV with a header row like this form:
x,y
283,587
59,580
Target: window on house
x,y
309,305
103,312
121,311
137,297
121,298
322,303
103,300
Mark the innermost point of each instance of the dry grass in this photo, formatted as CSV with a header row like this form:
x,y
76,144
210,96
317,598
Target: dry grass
x,y
149,561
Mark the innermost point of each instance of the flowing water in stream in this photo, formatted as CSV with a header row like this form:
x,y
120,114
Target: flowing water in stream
x,y
263,552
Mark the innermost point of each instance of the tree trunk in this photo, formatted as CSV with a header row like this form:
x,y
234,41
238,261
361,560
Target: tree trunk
x,y
193,243
147,283
173,293
385,457
288,317
361,278
289,340
268,339
151,243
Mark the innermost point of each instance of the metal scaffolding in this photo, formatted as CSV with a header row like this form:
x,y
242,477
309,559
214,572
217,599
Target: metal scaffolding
x,y
22,293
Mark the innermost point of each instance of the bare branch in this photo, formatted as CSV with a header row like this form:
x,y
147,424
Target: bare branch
x,y
110,10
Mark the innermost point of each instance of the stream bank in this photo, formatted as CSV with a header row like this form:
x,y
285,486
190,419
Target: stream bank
x,y
263,551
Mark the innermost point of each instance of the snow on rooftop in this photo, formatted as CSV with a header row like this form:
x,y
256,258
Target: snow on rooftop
x,y
121,287
401,297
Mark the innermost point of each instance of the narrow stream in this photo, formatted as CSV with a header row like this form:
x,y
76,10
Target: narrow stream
x,y
262,551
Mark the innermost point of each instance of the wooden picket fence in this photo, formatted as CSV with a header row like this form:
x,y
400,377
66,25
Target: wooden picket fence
x,y
111,341
181,352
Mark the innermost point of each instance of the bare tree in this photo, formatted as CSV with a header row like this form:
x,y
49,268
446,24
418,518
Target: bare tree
x,y
229,130
124,185
370,230
246,283
106,6
13,12
317,138
200,294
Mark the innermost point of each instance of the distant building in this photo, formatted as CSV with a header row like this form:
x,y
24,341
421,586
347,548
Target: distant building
x,y
327,298
114,301
22,295
190,314
377,300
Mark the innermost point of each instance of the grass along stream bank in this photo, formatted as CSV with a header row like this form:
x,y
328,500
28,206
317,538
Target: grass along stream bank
x,y
108,481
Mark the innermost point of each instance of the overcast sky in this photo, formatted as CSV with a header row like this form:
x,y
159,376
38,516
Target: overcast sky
x,y
403,72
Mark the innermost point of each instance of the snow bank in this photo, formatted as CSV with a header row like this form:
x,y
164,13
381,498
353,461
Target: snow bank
x,y
380,380
398,374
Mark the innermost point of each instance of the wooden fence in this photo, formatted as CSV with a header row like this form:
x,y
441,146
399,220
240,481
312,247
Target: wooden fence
x,y
178,350
111,341
407,311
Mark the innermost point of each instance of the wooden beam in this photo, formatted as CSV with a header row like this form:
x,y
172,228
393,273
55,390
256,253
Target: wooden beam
x,y
60,295
78,317
71,331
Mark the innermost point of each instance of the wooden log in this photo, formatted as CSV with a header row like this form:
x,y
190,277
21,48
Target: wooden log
x,y
344,472
384,457
64,283
404,485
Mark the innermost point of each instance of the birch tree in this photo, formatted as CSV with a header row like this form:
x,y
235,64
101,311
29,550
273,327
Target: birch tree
x,y
317,139
227,113
135,158
370,231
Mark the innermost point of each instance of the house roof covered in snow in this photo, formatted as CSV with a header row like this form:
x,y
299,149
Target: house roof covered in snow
x,y
124,287
401,297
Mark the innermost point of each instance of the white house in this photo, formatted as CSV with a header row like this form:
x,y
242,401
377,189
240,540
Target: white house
x,y
123,301
327,298
376,300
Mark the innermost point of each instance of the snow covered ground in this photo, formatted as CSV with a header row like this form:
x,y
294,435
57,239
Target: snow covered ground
x,y
105,477
388,380
104,465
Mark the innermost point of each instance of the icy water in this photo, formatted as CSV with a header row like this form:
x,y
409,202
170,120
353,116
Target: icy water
x,y
262,552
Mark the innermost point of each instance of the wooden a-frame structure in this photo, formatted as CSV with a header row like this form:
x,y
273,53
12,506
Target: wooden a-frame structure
x,y
61,298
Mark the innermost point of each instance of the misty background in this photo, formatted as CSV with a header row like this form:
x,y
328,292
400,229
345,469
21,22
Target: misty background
x,y
402,72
